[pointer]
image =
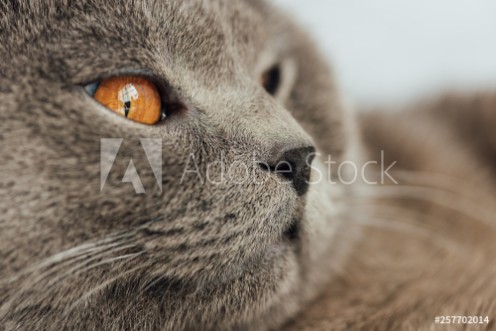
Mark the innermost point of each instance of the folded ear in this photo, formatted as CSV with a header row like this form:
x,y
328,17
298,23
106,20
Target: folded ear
x,y
453,134
473,117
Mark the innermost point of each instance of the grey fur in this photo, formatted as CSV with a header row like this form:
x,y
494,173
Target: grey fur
x,y
201,256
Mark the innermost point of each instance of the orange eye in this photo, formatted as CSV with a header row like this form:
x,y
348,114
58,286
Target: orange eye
x,y
135,98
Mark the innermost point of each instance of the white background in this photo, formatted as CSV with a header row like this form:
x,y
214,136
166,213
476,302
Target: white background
x,y
389,51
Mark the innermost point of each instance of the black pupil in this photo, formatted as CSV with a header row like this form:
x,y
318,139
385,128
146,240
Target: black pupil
x,y
127,107
271,80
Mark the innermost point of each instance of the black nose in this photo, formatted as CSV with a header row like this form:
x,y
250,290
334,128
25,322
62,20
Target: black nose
x,y
295,165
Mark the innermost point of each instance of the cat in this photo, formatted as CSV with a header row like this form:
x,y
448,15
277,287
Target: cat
x,y
289,248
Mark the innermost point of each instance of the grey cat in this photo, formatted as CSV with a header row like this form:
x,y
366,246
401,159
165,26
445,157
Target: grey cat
x,y
240,83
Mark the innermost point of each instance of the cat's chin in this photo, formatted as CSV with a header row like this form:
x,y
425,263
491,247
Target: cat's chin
x,y
279,255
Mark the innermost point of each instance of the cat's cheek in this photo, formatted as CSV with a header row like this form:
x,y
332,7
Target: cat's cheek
x,y
326,238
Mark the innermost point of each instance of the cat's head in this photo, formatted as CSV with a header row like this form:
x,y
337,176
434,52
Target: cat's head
x,y
222,237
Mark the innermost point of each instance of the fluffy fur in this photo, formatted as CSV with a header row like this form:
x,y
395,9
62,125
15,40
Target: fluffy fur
x,y
204,256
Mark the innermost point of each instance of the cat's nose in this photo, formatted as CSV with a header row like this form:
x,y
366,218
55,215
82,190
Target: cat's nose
x,y
293,164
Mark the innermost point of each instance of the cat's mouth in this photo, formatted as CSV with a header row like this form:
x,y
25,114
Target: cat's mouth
x,y
292,233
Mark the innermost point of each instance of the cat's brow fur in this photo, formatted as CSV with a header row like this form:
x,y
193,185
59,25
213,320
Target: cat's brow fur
x,y
199,255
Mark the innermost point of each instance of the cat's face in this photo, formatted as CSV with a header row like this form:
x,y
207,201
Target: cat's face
x,y
226,242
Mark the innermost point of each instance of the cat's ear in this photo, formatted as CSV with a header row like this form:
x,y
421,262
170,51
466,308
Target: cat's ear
x,y
473,118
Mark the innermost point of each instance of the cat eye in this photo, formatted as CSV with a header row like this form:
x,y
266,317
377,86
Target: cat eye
x,y
271,80
132,97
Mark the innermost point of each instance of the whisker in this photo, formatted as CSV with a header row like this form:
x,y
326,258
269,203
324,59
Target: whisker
x,y
100,287
30,284
71,272
82,251
429,236
436,196
77,253
414,217
433,179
